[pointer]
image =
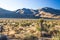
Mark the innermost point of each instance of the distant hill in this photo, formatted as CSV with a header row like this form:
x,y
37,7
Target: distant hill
x,y
48,12
45,12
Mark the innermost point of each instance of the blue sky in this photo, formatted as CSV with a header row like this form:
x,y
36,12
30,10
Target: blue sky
x,y
32,4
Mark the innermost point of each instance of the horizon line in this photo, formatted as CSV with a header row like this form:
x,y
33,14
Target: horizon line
x,y
29,8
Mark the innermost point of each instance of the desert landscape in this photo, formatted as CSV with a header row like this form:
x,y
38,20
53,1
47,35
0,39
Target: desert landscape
x,y
29,20
30,29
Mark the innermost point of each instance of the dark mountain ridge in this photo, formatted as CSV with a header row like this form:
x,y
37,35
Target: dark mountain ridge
x,y
45,12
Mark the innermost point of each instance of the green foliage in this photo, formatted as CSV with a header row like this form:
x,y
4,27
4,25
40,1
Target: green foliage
x,y
30,38
25,24
38,28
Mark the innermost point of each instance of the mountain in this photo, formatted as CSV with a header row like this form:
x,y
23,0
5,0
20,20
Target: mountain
x,y
7,14
27,13
48,12
45,12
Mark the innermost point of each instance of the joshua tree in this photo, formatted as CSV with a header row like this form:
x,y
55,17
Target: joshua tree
x,y
41,24
1,28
